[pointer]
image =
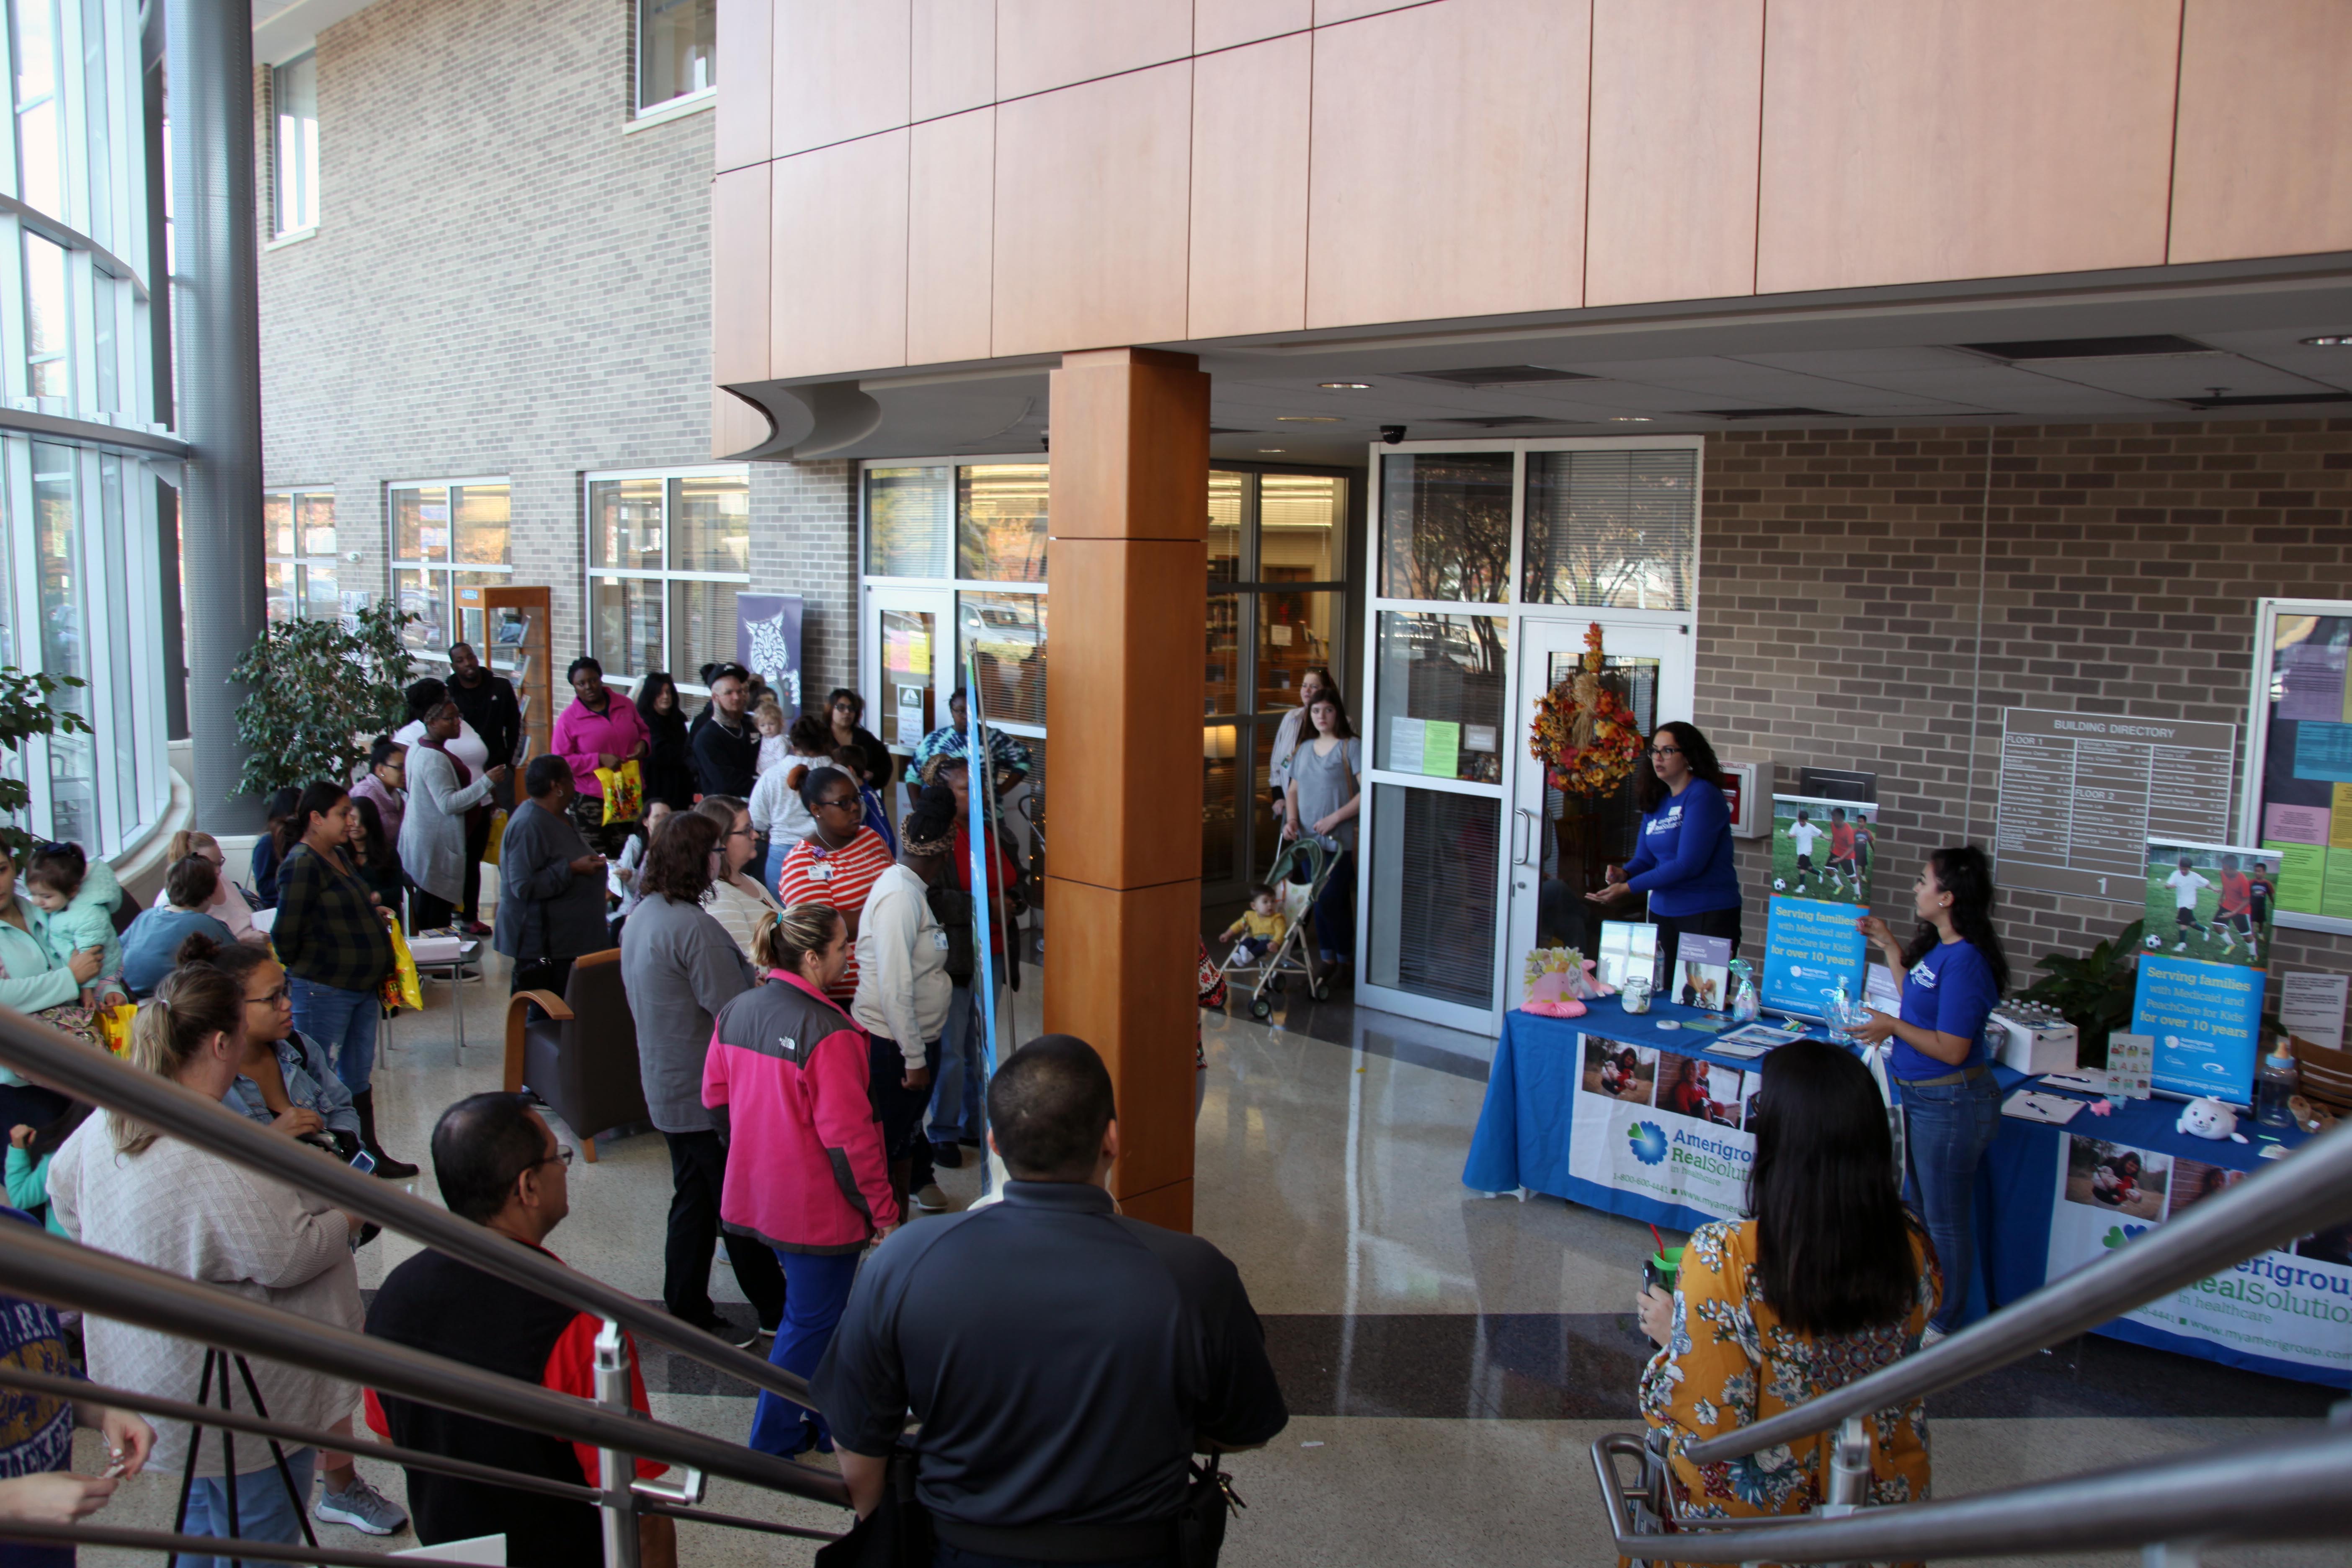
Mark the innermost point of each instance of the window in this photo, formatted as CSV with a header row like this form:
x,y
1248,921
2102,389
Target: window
x,y
294,143
667,553
446,536
56,554
678,50
1445,525
298,539
1613,529
48,321
40,153
1001,522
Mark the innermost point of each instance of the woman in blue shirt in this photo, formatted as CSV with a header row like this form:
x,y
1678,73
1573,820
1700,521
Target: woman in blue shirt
x,y
1684,857
1951,975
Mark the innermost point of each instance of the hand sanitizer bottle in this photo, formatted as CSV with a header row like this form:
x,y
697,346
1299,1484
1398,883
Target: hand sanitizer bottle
x,y
1744,1003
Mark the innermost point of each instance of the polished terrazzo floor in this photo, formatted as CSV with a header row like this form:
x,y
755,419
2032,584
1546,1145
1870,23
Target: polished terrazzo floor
x,y
1448,1358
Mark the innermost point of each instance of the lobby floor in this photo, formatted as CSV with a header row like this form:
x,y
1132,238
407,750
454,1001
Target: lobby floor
x,y
1448,1358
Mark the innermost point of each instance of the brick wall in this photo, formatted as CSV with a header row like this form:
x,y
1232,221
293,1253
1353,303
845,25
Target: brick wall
x,y
504,281
2114,570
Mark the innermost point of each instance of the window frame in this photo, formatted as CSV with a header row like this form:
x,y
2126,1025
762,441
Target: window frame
x,y
664,575
448,566
278,228
302,561
675,104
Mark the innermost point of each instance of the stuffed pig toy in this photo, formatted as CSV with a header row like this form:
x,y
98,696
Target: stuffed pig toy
x,y
2209,1119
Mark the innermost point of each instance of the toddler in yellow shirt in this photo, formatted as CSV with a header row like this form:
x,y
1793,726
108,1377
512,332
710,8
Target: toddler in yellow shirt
x,y
1260,928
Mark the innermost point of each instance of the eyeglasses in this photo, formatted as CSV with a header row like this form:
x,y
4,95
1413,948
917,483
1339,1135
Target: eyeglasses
x,y
839,803
741,833
563,1156
1665,751
271,999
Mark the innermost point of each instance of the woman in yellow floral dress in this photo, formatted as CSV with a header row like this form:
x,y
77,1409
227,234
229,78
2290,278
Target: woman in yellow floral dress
x,y
1828,1281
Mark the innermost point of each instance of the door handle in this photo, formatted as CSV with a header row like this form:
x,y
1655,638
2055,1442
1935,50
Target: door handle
x,y
1521,818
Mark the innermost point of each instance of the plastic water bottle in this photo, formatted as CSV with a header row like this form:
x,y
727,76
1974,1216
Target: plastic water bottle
x,y
1744,1003
2274,1087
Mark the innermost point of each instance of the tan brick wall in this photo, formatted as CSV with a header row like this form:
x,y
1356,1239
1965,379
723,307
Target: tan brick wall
x,y
2112,569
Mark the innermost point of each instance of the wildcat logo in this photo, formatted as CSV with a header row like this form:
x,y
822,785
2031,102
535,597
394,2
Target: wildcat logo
x,y
1648,1141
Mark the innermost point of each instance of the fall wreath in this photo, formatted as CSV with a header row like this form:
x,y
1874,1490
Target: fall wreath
x,y
1583,733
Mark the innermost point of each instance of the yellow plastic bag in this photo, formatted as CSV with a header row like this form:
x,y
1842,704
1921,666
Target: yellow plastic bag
x,y
400,987
498,837
625,791
112,1025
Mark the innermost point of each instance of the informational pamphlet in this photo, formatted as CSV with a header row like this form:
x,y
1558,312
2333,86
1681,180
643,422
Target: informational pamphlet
x,y
1809,947
2055,1108
2311,1005
1702,976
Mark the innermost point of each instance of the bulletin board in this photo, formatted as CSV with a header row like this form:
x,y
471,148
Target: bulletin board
x,y
2298,779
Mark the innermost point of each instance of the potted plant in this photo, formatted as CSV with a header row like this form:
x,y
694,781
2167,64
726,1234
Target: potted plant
x,y
25,709
317,692
2093,992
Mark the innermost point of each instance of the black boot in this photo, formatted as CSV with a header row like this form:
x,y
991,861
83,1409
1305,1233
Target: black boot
x,y
390,1169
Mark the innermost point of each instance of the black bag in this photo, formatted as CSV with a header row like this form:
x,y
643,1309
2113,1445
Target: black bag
x,y
897,1534
1209,1501
953,906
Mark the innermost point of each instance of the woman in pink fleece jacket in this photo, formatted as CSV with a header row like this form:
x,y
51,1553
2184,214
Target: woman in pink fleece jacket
x,y
805,1173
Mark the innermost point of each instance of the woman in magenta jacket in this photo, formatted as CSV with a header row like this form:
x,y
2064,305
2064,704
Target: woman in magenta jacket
x,y
599,729
805,1171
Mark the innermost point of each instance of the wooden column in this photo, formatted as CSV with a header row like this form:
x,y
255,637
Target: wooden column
x,y
1129,508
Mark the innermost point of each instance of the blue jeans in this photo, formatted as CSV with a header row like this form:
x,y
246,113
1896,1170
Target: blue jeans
x,y
344,1022
956,1088
1946,1130
264,1511
816,1288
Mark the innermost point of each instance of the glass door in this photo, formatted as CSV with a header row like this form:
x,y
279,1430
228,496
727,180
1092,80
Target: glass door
x,y
909,671
1560,845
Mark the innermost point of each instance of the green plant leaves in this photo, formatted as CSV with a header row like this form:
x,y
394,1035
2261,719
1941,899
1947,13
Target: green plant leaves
x,y
25,709
317,693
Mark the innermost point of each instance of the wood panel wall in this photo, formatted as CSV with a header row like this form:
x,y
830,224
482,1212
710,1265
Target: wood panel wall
x,y
1164,170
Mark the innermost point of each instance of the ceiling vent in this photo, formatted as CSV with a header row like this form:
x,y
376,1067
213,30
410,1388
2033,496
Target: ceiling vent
x,y
1768,414
1496,375
1509,421
2266,400
2093,348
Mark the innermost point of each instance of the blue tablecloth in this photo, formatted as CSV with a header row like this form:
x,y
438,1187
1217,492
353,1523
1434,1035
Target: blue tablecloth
x,y
1525,1127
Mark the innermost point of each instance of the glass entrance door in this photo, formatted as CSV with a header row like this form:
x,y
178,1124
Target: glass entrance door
x,y
909,671
1561,844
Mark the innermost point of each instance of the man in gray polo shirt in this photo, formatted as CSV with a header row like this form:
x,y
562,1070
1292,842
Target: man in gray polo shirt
x,y
1064,1362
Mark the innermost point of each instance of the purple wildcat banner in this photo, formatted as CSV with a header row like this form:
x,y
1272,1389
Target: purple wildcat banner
x,y
767,643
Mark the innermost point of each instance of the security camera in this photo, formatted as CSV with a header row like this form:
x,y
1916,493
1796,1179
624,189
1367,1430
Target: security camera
x,y
1393,433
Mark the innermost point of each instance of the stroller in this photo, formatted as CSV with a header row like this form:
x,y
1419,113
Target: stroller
x,y
1299,870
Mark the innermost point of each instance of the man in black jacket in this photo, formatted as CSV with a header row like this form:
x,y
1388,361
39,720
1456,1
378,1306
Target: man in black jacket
x,y
726,746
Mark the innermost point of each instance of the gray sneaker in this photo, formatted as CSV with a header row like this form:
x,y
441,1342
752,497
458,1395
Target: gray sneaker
x,y
362,1507
929,1199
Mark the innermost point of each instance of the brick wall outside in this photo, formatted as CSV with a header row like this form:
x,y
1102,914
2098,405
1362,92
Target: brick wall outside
x,y
504,281
2117,567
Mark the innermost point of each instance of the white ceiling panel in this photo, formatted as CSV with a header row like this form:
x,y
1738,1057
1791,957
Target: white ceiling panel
x,y
2178,376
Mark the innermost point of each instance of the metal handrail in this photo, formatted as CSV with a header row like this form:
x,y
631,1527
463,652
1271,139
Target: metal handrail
x,y
44,1056
213,1415
198,1548
50,1268
2252,1217
2288,1489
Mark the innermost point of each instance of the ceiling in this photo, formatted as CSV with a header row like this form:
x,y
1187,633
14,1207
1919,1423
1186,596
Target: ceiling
x,y
1874,357
284,28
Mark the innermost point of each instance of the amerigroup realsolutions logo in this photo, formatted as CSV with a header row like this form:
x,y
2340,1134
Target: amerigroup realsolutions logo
x,y
1648,1141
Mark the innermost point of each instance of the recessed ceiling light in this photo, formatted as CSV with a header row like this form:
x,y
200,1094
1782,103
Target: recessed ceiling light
x,y
1307,419
1269,451
2331,340
1345,386
1628,419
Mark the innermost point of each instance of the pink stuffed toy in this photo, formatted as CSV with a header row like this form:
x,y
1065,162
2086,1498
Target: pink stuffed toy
x,y
1558,980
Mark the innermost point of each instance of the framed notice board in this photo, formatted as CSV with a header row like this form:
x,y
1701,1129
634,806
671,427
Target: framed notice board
x,y
2298,780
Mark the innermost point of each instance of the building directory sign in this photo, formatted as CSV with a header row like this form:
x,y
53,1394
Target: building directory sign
x,y
2081,793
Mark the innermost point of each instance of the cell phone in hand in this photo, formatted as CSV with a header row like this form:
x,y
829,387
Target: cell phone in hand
x,y
363,1162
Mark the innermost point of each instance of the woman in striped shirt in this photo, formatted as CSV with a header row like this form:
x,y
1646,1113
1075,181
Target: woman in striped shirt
x,y
838,863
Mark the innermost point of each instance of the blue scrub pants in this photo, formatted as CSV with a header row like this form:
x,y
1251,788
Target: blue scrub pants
x,y
816,1288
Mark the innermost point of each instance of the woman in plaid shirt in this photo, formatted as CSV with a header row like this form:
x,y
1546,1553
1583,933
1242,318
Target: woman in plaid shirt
x,y
329,934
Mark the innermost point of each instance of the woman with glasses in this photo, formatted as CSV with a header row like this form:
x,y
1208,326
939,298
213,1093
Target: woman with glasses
x,y
1682,857
838,864
227,905
737,901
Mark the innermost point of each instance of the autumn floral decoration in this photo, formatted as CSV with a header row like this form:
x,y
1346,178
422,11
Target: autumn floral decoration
x,y
1583,734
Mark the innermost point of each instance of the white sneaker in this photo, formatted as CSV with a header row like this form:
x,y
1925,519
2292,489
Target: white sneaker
x,y
361,1507
929,1199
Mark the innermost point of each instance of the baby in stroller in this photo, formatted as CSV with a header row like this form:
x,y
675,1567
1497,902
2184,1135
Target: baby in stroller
x,y
1261,927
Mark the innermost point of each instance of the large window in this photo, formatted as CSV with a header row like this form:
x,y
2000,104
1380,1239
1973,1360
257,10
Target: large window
x,y
446,535
299,535
667,553
678,50
294,144
40,116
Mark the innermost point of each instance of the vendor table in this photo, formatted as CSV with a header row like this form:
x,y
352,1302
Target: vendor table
x,y
1549,1126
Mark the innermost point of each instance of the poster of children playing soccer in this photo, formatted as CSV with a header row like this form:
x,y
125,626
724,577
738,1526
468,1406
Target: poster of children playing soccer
x,y
1823,848
2211,901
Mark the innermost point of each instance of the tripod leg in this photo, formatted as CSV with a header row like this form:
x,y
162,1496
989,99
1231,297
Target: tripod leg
x,y
229,1452
278,1453
196,1441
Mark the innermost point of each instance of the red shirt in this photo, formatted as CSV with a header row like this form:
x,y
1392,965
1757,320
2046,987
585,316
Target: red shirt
x,y
812,874
1001,877
1842,841
2237,893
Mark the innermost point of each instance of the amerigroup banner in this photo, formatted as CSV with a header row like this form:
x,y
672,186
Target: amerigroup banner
x,y
1664,1126
2293,1306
